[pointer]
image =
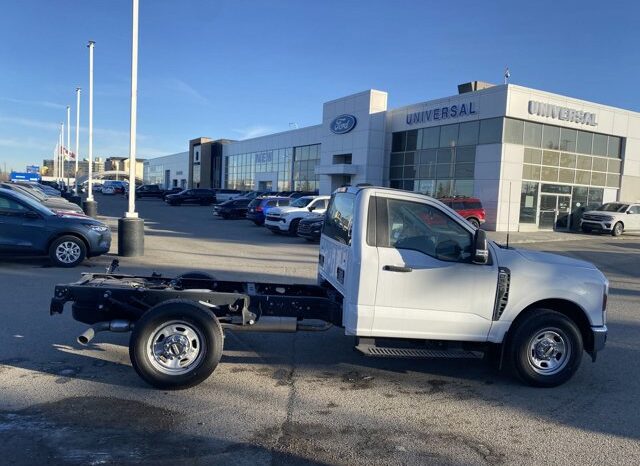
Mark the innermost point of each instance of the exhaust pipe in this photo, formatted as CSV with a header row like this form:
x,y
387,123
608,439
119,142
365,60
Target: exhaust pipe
x,y
117,325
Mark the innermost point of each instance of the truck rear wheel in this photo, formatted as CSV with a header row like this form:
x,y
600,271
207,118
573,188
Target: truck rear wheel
x,y
546,348
176,344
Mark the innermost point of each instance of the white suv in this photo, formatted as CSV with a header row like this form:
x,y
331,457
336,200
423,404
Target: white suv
x,y
613,217
286,219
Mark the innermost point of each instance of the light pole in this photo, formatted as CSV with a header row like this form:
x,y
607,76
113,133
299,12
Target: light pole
x,y
90,206
61,158
130,227
68,143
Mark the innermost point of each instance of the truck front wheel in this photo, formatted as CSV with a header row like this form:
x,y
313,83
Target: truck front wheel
x,y
176,344
546,348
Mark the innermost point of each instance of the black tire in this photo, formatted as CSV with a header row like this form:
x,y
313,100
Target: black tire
x,y
293,227
617,229
586,229
528,365
71,253
190,316
474,222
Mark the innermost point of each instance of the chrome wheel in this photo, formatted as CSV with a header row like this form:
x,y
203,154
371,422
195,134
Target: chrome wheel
x,y
549,351
175,347
68,252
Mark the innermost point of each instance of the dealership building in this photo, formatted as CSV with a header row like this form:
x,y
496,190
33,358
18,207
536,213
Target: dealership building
x,y
535,159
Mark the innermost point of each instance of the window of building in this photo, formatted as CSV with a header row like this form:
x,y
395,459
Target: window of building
x,y
600,143
568,139
468,133
412,140
614,146
430,138
550,137
585,142
490,131
532,134
513,131
528,202
342,159
448,136
399,141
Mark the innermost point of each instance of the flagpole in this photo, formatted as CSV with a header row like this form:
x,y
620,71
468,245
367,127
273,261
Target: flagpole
x,y
60,157
77,137
130,227
68,142
90,206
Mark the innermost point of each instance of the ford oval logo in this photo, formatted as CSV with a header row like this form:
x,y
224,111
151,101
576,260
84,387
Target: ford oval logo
x,y
343,124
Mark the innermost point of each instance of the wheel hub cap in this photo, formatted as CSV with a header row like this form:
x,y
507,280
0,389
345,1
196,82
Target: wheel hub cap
x,y
549,351
68,252
175,348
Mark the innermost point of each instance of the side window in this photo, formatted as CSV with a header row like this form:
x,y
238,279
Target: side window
x,y
319,205
424,228
271,203
9,206
635,209
458,205
339,218
283,202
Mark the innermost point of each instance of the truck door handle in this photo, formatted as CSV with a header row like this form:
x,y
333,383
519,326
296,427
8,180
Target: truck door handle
x,y
396,268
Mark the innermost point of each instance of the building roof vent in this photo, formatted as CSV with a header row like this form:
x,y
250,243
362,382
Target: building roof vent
x,y
473,86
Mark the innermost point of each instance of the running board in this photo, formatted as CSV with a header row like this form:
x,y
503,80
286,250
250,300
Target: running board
x,y
384,352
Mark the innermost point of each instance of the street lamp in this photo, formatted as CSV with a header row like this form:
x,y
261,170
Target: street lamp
x,y
130,227
90,206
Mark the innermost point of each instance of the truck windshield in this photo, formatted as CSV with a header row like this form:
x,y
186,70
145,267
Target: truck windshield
x,y
613,207
301,202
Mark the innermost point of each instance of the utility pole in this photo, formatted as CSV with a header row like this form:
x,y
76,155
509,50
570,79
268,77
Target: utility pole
x,y
130,227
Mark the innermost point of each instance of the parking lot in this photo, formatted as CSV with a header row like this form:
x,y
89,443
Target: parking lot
x,y
305,398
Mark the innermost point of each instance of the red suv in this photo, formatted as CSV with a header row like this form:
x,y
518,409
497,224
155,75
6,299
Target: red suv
x,y
469,207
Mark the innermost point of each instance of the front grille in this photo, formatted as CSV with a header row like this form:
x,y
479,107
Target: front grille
x,y
304,228
273,218
596,218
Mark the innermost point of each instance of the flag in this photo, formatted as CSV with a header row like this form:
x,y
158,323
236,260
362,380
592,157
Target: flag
x,y
68,155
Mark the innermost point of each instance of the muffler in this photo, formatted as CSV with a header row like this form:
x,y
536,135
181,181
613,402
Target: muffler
x,y
118,325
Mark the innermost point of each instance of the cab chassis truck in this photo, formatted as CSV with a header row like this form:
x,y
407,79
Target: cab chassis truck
x,y
400,271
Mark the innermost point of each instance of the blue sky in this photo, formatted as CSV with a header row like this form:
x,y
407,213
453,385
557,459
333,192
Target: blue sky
x,y
238,69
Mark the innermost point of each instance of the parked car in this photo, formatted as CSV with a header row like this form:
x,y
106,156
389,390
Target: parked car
x,y
41,188
28,227
171,191
310,228
468,207
150,190
192,196
286,219
108,190
259,206
223,195
297,194
57,204
612,217
118,186
233,208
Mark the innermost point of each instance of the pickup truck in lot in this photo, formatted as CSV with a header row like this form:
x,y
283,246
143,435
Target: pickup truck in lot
x,y
403,273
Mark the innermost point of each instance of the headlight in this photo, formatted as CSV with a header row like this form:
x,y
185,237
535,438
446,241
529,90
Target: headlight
x,y
98,228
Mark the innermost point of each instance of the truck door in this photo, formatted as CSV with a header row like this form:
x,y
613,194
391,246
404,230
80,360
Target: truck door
x,y
427,286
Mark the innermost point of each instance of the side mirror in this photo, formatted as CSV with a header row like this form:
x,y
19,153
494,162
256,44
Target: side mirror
x,y
480,248
31,214
312,208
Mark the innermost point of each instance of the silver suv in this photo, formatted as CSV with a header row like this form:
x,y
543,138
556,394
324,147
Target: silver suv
x,y
612,217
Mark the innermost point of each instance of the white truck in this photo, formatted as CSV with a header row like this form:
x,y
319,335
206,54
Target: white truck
x,y
612,217
286,219
402,272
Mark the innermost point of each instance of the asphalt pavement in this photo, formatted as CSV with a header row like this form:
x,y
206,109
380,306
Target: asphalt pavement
x,y
305,398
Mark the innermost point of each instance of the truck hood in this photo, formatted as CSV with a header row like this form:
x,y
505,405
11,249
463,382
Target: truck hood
x,y
554,259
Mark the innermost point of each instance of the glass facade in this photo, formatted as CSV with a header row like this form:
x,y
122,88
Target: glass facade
x,y
568,167
439,161
293,168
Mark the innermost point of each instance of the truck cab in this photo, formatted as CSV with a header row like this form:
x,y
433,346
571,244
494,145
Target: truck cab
x,y
409,267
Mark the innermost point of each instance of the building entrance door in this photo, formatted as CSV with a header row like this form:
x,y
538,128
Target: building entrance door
x,y
555,212
265,186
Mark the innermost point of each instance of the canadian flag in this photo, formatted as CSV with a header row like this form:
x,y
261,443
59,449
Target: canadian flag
x,y
68,155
